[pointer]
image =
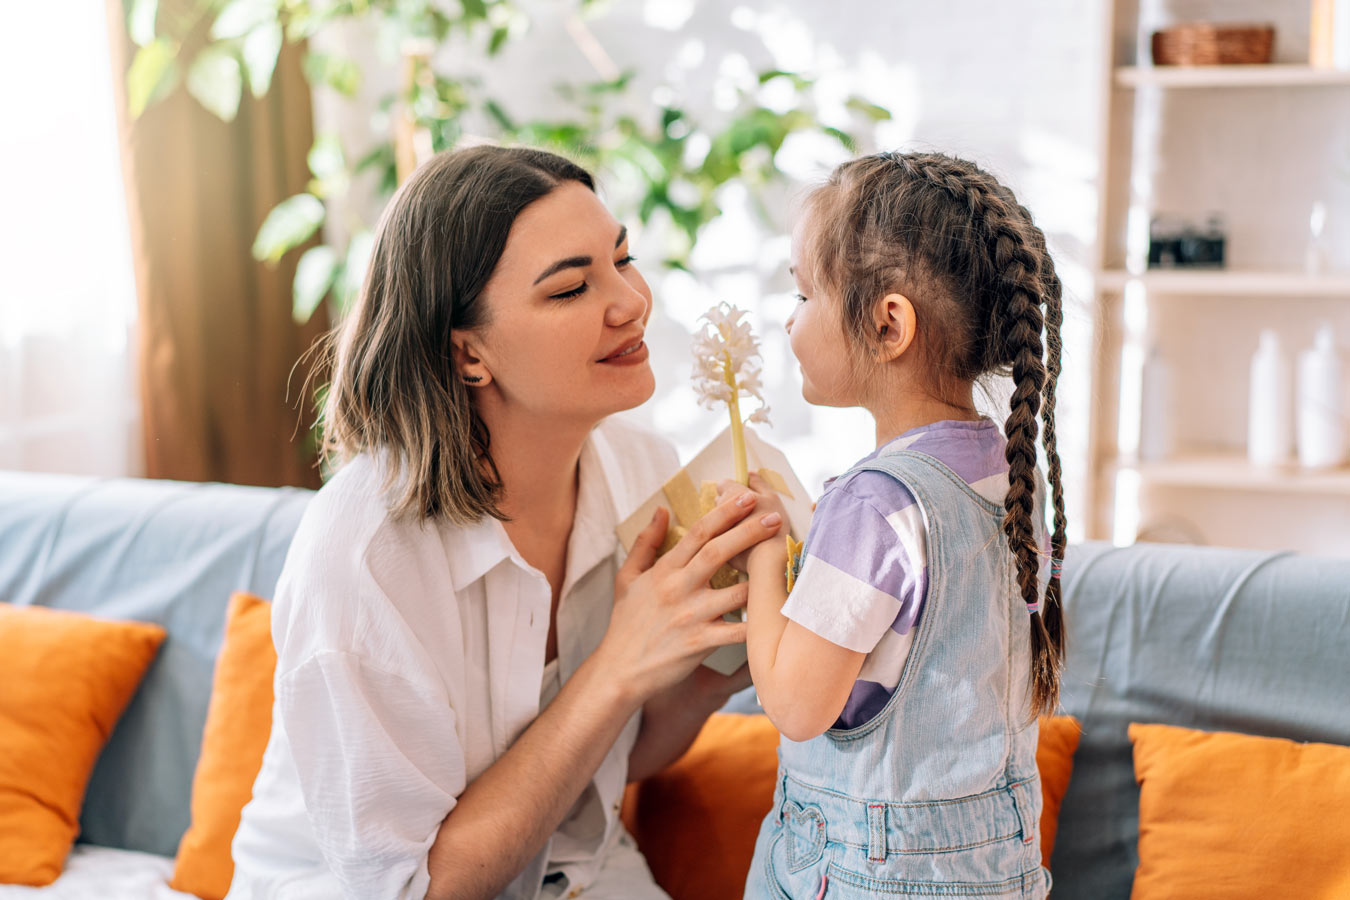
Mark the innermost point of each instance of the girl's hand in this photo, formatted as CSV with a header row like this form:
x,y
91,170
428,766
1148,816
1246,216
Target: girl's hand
x,y
766,500
666,619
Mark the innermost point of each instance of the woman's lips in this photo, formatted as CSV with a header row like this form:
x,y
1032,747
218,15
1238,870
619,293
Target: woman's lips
x,y
635,354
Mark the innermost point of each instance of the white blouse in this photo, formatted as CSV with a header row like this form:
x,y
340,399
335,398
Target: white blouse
x,y
409,658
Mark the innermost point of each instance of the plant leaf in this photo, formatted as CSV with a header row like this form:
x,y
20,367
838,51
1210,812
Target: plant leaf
x,y
141,21
313,277
260,50
290,223
239,17
342,75
329,165
215,80
359,250
152,76
498,40
868,109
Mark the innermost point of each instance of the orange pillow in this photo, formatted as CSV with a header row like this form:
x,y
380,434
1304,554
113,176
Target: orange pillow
x,y
1235,816
1054,758
238,724
65,679
696,821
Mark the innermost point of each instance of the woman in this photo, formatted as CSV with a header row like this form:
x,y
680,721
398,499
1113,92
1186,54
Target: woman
x,y
466,676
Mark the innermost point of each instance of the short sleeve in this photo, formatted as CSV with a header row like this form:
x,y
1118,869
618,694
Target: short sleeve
x,y
379,765
863,568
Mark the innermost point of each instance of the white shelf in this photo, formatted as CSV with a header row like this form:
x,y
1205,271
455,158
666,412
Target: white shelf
x,y
1231,283
1230,76
1220,471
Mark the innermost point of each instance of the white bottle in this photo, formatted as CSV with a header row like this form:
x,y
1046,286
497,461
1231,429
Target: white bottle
x,y
1270,420
1155,426
1321,423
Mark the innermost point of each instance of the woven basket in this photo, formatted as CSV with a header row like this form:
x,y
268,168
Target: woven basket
x,y
1207,44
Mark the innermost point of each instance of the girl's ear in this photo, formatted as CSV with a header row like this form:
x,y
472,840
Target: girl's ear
x,y
896,325
468,363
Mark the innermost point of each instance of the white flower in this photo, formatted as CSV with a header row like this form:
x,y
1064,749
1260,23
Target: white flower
x,y
726,361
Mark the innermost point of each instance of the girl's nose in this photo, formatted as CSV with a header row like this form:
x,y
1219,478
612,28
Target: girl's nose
x,y
787,326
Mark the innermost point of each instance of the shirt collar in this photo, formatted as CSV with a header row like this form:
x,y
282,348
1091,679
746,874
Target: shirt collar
x,y
909,437
479,548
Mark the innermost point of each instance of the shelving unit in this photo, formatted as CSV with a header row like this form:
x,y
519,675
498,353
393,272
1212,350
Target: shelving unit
x,y
1229,283
1191,140
1230,472
1273,76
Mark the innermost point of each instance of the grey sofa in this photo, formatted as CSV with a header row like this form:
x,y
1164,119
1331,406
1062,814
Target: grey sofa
x,y
1214,639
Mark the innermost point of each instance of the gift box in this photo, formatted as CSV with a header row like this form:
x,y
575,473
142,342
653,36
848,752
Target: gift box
x,y
692,491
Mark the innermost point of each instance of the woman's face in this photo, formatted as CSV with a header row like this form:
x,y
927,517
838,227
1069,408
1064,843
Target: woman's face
x,y
566,311
816,335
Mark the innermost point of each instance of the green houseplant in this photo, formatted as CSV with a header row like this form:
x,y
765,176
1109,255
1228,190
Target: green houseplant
x,y
216,49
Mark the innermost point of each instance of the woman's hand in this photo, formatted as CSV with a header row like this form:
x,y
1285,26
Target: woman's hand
x,y
666,618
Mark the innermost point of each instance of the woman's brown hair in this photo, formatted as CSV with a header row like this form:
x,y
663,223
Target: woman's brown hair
x,y
956,242
395,386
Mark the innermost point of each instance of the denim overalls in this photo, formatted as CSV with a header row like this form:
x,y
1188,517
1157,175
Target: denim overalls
x,y
938,795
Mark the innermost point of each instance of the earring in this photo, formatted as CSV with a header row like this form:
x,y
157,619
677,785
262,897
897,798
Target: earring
x,y
472,379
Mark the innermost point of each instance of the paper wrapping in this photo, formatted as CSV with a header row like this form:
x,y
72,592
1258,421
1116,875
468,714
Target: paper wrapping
x,y
692,491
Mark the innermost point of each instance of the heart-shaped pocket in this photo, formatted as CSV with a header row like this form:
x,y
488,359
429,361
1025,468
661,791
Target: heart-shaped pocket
x,y
804,835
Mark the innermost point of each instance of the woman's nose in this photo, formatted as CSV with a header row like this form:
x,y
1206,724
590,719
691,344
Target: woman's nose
x,y
627,304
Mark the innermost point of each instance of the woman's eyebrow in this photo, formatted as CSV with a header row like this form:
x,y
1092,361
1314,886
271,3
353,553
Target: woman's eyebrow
x,y
572,262
578,262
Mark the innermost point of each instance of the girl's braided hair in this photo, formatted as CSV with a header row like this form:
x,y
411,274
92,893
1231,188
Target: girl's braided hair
x,y
956,242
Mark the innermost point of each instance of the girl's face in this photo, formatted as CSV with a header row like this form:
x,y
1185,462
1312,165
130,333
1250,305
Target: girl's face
x,y
566,312
816,334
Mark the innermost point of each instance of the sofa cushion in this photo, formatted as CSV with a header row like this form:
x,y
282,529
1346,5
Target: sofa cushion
x,y
697,821
153,551
1266,815
1199,637
65,678
1054,758
238,724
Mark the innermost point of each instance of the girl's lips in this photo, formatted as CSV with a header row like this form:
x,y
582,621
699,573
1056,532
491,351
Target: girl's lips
x,y
632,357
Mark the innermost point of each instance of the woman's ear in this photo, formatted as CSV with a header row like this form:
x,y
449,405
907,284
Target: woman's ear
x,y
468,362
896,325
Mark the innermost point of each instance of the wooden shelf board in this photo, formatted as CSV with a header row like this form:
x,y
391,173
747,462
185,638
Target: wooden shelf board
x,y
1230,76
1231,282
1220,471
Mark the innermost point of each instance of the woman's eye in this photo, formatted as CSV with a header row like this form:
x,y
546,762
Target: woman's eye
x,y
627,260
568,295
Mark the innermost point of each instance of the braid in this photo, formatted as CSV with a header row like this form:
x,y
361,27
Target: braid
x,y
1021,338
1052,614
1026,277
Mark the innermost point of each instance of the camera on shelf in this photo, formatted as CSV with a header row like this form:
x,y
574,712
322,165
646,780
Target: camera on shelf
x,y
1179,244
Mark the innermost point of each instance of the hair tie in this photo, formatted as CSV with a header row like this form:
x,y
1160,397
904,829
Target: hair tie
x,y
1034,607
1056,568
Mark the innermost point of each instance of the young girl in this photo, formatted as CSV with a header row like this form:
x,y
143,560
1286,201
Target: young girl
x,y
906,666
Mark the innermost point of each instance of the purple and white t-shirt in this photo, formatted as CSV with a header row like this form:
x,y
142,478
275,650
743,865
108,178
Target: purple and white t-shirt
x,y
864,572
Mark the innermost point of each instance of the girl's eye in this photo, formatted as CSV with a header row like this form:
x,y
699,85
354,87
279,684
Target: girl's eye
x,y
568,295
800,298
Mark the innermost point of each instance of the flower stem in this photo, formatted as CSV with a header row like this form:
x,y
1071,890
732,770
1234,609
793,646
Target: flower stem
x,y
737,428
